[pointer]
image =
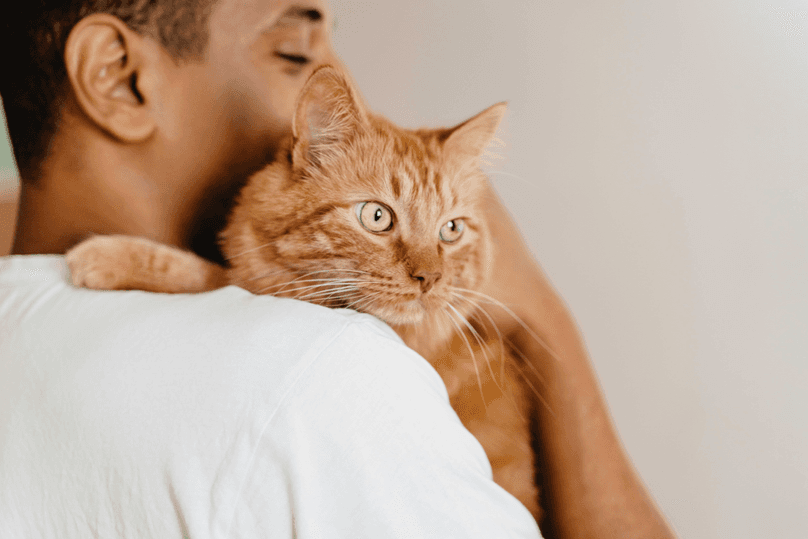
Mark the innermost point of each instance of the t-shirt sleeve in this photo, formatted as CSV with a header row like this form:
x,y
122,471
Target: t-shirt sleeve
x,y
366,445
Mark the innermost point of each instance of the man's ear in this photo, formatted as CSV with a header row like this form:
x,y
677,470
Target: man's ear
x,y
469,139
329,112
109,66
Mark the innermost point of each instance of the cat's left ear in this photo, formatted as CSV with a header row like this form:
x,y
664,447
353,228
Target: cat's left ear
x,y
329,113
469,139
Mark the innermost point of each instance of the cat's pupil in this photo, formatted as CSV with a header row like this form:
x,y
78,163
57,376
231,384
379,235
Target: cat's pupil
x,y
451,225
378,215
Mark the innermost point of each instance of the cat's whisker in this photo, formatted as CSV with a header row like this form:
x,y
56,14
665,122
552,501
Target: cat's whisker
x,y
302,279
326,294
527,362
264,275
489,299
348,270
473,358
323,293
365,297
497,331
307,293
306,288
477,308
302,291
509,175
281,271
308,274
526,379
248,251
488,158
325,280
515,350
322,282
333,271
496,142
279,288
357,305
479,340
317,289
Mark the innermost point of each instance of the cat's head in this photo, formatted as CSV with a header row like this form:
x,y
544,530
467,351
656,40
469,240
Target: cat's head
x,y
361,213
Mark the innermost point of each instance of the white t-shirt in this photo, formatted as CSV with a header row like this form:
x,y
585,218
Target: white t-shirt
x,y
226,415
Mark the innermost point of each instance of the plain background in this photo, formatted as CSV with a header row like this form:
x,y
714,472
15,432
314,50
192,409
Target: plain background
x,y
657,163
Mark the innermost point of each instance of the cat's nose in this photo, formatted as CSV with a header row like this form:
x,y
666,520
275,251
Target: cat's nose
x,y
426,279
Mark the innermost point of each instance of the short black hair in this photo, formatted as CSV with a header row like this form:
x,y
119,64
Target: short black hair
x,y
34,79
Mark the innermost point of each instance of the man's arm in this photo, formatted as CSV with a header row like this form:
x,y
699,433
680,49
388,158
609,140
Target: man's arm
x,y
590,486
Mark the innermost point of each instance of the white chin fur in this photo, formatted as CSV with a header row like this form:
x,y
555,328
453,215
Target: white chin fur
x,y
408,313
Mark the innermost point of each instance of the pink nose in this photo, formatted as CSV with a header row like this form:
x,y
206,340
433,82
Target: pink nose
x,y
426,279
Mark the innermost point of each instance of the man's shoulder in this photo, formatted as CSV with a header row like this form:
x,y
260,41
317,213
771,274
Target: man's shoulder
x,y
226,345
230,324
44,282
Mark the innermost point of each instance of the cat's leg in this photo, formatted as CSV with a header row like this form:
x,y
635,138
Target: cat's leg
x,y
132,263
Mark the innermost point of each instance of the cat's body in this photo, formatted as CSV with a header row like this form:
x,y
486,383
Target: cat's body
x,y
359,213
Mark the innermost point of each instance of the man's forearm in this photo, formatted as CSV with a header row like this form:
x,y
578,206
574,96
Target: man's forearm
x,y
591,487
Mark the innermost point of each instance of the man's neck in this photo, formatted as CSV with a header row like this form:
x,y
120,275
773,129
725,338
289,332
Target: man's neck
x,y
47,224
91,188
91,184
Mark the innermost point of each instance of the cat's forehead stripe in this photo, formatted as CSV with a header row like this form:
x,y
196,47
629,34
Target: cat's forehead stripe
x,y
416,175
396,185
437,181
426,184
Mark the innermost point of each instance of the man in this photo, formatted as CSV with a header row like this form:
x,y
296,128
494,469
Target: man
x,y
225,414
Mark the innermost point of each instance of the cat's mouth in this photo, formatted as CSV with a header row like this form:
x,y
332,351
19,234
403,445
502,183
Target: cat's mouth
x,y
400,313
403,312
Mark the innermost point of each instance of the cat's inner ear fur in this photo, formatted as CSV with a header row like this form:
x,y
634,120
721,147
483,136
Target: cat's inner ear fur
x,y
328,114
470,139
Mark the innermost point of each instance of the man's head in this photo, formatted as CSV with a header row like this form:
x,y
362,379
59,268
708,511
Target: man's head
x,y
37,32
169,97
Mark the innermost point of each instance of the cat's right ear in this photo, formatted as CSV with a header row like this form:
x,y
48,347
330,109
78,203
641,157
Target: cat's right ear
x,y
328,114
469,139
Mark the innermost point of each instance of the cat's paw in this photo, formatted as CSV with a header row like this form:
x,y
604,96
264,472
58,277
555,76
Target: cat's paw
x,y
100,263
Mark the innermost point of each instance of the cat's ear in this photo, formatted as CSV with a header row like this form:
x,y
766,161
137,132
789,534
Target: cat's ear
x,y
329,113
469,139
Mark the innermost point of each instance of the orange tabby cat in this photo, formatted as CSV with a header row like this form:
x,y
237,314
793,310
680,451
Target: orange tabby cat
x,y
356,212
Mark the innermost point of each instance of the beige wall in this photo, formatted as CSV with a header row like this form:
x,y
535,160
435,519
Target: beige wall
x,y
657,165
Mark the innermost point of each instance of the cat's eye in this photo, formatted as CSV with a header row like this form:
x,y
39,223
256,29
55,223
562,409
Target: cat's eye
x,y
374,216
451,231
